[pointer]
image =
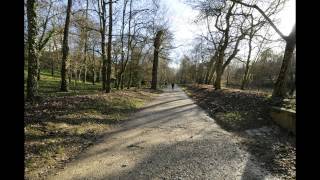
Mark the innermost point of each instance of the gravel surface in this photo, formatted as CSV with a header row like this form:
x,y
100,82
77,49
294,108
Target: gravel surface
x,y
170,138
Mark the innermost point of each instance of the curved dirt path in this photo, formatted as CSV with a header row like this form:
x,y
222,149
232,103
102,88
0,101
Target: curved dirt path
x,y
171,138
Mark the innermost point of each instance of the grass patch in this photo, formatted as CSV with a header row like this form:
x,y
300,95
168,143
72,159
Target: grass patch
x,y
61,125
49,86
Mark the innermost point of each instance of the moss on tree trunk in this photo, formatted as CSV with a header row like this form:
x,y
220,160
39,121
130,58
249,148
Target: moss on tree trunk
x,y
32,83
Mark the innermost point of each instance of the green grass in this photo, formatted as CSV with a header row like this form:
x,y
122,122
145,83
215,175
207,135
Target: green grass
x,y
49,85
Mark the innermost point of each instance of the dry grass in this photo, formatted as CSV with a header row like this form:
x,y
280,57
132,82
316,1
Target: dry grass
x,y
60,126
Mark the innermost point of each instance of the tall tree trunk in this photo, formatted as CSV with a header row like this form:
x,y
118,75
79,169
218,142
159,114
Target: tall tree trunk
x,y
246,73
32,83
293,85
85,74
217,82
103,43
52,60
70,74
108,87
86,45
100,72
93,67
93,77
122,81
208,73
79,75
228,74
157,43
104,64
128,44
212,73
119,78
116,73
245,77
75,80
52,68
130,76
39,71
280,85
56,51
65,50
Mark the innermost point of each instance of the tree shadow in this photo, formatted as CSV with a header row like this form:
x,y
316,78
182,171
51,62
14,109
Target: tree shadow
x,y
240,112
203,158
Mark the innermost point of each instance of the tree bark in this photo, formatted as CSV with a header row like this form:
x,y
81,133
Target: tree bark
x,y
119,78
246,73
128,46
212,73
79,75
280,85
108,87
122,81
103,44
93,67
228,77
130,75
70,74
65,50
217,82
39,71
86,46
32,83
52,61
208,73
157,43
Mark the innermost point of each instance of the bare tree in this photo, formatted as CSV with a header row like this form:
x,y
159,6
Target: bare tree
x,y
102,20
280,85
65,49
45,35
108,82
122,68
86,43
254,28
220,64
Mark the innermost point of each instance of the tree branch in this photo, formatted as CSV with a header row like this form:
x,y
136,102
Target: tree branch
x,y
264,15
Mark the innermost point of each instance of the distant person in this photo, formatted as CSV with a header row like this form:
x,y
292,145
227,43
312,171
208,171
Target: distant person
x,y
172,85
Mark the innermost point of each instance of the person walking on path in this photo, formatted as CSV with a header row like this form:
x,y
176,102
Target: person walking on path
x,y
172,85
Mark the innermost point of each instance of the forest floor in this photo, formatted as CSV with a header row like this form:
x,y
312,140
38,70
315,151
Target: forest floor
x,y
169,138
246,113
63,124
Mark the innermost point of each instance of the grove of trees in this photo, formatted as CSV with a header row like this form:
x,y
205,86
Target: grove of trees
x,y
112,42
235,26
122,43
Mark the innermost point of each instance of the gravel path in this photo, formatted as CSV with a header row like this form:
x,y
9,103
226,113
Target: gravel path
x,y
170,138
